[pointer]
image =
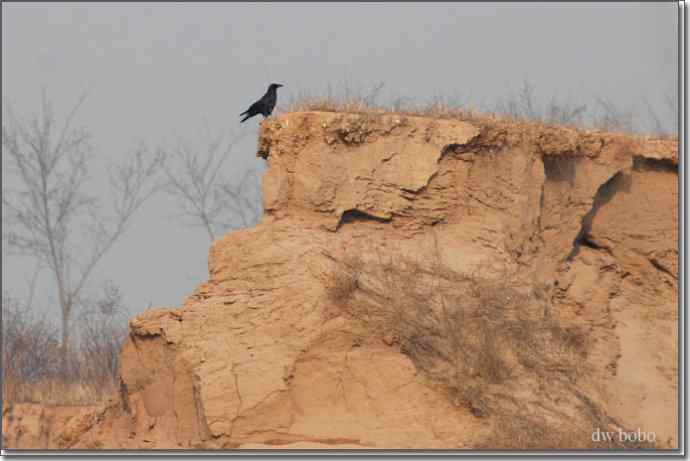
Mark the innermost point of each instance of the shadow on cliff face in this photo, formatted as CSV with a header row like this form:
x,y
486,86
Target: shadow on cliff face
x,y
620,182
354,215
560,168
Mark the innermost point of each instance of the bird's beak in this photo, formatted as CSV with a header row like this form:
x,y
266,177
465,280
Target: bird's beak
x,y
279,85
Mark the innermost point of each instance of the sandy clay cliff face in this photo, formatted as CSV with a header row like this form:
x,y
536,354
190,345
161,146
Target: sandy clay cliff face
x,y
268,353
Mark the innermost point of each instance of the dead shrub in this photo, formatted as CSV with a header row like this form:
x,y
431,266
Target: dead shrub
x,y
534,432
524,104
343,281
480,339
29,348
33,367
475,337
573,338
464,331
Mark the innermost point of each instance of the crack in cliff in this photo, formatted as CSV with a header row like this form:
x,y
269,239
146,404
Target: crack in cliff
x,y
357,379
538,233
489,139
204,431
661,268
239,405
356,215
642,163
124,397
605,192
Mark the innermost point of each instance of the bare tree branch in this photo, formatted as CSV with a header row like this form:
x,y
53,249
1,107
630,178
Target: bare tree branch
x,y
611,118
196,181
48,210
658,124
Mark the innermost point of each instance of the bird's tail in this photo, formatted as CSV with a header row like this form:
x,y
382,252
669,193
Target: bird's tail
x,y
245,118
245,112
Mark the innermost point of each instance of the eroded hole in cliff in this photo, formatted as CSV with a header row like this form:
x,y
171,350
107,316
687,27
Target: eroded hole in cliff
x,y
641,163
354,215
560,168
452,149
620,182
124,397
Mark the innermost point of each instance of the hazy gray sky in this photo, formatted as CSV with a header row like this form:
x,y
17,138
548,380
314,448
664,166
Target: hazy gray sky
x,y
158,70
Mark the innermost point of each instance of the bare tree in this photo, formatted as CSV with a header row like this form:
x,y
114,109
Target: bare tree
x,y
657,124
33,366
243,198
29,345
103,327
564,112
203,193
49,216
520,106
611,118
670,102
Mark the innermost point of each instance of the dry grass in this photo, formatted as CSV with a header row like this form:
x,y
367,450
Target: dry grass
x,y
480,339
437,109
467,331
33,367
343,281
359,100
533,432
58,392
524,105
471,332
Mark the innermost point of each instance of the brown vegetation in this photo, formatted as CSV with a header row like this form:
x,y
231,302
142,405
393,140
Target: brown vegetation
x,y
471,335
49,217
33,366
599,114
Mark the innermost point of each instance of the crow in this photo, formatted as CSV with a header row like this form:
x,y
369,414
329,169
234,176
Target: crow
x,y
265,105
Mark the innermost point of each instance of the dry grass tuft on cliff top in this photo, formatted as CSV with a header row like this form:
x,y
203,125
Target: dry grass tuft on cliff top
x,y
365,106
599,113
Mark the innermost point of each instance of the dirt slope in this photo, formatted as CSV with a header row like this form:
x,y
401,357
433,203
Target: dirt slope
x,y
262,355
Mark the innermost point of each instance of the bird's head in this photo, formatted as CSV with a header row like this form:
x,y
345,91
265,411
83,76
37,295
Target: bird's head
x,y
274,86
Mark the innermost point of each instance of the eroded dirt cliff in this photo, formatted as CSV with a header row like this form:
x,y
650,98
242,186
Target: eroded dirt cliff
x,y
581,225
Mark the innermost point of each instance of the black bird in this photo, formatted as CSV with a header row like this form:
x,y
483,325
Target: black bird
x,y
265,105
